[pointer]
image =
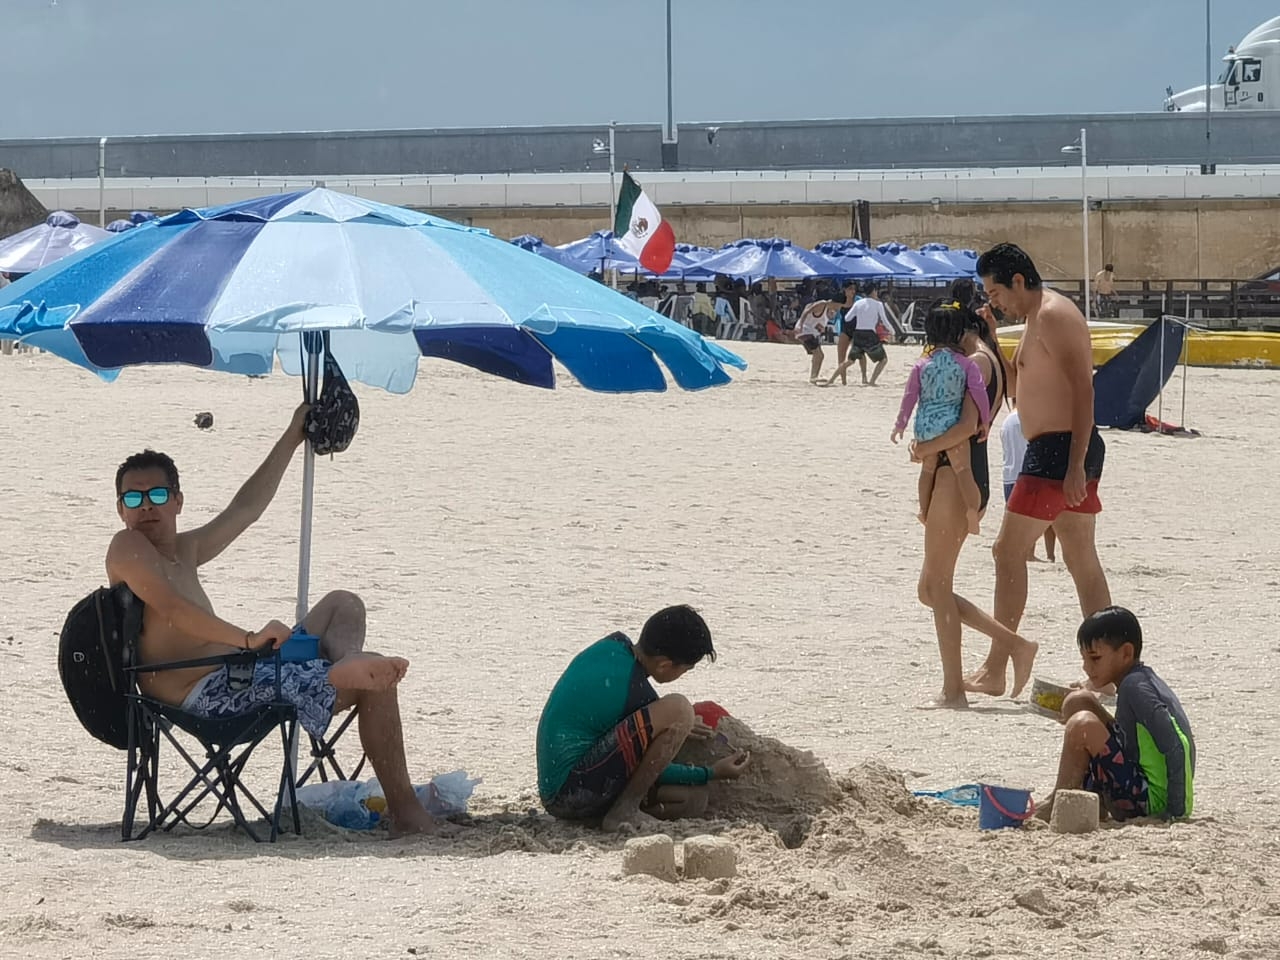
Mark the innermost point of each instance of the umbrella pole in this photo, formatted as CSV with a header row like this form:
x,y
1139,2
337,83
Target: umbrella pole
x,y
310,384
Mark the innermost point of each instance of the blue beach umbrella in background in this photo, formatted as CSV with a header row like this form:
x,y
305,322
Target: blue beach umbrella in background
x,y
60,235
601,252
857,261
233,287
773,257
920,266
120,226
965,261
537,245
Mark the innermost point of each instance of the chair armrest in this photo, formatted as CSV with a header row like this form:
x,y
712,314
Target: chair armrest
x,y
226,659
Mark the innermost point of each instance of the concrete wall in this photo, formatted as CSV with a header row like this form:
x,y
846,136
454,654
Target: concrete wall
x,y
1154,240
1115,139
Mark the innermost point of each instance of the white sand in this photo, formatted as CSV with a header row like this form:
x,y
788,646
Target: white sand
x,y
496,529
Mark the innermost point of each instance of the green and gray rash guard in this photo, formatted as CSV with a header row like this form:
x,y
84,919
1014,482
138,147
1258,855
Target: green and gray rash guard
x,y
1156,728
602,685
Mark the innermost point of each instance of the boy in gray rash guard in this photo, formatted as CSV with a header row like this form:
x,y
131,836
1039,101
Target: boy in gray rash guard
x,y
1142,761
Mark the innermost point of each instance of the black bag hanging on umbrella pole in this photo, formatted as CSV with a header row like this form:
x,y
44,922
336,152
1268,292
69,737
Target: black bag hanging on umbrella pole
x,y
330,426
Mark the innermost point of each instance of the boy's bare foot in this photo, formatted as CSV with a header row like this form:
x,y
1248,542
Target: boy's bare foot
x,y
1044,808
940,702
974,523
1024,658
367,671
984,683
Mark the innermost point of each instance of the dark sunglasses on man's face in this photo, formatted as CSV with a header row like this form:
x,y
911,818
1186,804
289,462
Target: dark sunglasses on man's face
x,y
133,498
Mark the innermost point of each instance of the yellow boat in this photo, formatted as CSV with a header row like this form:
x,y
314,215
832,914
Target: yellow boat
x,y
1205,348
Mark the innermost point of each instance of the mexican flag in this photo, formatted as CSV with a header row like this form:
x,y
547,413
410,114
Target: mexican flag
x,y
640,229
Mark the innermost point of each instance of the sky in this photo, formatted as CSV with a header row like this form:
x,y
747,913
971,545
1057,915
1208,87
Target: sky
x,y
94,68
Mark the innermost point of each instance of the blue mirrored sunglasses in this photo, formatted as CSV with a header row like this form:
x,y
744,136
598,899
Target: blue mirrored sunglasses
x,y
133,498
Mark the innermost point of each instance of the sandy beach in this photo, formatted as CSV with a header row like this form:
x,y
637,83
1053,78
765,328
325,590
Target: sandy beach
x,y
494,530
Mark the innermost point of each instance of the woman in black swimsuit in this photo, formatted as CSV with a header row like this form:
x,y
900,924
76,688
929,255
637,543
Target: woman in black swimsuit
x,y
946,529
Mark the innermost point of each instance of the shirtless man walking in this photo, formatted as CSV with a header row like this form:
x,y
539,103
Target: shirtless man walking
x,y
1052,378
160,565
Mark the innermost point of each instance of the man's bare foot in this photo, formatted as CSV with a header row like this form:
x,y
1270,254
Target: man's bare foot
x,y
984,683
419,823
1034,559
633,822
941,702
367,671
974,523
923,517
1024,658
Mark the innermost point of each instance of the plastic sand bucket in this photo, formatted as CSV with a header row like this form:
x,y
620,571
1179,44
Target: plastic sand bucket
x,y
1000,807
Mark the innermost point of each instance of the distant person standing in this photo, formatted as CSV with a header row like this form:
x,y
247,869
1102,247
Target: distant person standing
x,y
867,316
813,322
1104,285
703,312
850,293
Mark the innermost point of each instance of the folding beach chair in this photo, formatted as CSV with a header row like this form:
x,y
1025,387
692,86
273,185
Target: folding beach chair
x,y
98,663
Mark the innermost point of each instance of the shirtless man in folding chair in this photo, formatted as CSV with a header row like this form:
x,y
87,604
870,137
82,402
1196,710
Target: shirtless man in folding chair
x,y
160,565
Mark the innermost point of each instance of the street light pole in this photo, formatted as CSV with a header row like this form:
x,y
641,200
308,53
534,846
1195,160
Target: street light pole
x,y
1084,194
1208,84
102,182
1082,148
613,188
671,126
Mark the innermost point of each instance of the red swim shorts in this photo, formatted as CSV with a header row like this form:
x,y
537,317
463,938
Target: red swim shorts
x,y
1042,498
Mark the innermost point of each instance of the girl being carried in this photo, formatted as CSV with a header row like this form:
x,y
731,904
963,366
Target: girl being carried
x,y
943,381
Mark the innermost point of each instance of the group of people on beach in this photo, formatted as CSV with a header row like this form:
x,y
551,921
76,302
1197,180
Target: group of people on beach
x,y
606,742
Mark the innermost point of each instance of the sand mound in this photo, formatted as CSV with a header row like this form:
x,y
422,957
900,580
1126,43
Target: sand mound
x,y
790,790
781,781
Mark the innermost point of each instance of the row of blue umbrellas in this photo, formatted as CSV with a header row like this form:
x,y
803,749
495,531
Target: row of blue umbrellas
x,y
62,234
762,258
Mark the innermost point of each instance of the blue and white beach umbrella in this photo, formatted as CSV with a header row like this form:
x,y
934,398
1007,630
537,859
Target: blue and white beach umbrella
x,y
232,288
228,288
61,235
775,257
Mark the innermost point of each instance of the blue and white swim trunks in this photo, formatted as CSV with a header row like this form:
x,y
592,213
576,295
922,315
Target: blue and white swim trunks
x,y
227,692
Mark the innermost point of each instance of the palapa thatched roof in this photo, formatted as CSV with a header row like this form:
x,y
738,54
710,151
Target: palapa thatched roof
x,y
18,208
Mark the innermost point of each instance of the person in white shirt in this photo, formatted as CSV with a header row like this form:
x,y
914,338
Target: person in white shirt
x,y
1014,447
863,321
814,319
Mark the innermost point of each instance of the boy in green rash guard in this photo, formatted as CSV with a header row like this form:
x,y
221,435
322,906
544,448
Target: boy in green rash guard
x,y
606,740
1142,761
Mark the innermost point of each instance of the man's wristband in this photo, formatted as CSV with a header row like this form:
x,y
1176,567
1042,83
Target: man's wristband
x,y
248,635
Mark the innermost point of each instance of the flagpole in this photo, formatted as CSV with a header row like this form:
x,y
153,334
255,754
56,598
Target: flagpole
x,y
613,196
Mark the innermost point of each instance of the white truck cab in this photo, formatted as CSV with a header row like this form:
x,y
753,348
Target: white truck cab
x,y
1251,80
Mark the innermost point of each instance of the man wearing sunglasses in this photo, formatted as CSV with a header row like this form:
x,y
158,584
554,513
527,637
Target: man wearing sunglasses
x,y
160,565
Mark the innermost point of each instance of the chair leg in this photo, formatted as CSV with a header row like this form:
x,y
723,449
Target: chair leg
x,y
325,759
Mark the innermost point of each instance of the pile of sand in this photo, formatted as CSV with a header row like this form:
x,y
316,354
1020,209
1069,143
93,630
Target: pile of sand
x,y
789,790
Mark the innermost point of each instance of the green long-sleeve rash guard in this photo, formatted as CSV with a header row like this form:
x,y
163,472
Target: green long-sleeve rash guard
x,y
602,685
1155,726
